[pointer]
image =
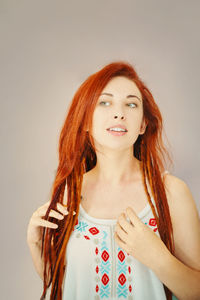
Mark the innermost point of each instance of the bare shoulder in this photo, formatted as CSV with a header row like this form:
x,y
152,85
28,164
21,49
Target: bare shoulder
x,y
185,220
179,195
176,187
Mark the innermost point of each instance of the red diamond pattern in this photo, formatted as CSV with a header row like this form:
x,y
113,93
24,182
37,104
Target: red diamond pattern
x,y
152,222
121,255
105,256
122,279
97,269
93,230
97,288
105,279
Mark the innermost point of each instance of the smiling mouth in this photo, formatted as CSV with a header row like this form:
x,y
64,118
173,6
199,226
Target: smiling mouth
x,y
117,133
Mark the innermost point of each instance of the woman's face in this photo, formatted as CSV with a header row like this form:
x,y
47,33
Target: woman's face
x,y
118,103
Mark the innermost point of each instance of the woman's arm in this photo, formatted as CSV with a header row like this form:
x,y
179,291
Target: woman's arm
x,y
35,250
183,281
38,261
181,272
34,240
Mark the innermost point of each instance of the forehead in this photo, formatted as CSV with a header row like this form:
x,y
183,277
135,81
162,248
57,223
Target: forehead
x,y
121,86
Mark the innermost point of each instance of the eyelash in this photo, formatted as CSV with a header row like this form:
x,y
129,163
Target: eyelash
x,y
107,101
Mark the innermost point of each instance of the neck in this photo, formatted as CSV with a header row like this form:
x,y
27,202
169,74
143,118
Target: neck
x,y
117,169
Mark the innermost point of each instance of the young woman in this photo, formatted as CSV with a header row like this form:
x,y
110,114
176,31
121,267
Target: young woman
x,y
118,225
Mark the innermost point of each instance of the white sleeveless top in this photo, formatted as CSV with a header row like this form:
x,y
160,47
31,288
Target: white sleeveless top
x,y
97,268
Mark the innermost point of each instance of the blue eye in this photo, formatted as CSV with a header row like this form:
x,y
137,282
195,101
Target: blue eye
x,y
107,102
133,103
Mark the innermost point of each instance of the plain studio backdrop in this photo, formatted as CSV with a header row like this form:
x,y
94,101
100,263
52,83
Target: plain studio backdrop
x,y
48,48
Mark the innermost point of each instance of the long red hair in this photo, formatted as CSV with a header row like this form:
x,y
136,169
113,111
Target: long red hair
x,y
77,155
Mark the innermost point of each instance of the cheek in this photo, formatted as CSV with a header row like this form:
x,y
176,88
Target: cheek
x,y
98,123
135,120
135,127
99,119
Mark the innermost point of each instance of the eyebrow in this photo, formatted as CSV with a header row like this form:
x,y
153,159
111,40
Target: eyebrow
x,y
129,96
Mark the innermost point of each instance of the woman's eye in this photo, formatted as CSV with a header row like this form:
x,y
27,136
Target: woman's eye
x,y
103,102
133,104
127,104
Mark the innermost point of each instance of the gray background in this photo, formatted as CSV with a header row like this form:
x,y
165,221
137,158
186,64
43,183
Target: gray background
x,y
48,48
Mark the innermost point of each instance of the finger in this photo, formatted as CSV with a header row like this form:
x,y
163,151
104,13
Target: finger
x,y
135,220
120,242
53,213
124,223
56,215
62,209
44,223
121,233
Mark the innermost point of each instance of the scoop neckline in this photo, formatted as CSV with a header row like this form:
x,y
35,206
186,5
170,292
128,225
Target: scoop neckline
x,y
140,215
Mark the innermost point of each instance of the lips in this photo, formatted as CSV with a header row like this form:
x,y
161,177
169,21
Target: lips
x,y
118,125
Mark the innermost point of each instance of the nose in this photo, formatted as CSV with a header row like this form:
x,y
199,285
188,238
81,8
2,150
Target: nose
x,y
116,116
119,113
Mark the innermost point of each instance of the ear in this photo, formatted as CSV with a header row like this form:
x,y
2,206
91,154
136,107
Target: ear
x,y
143,126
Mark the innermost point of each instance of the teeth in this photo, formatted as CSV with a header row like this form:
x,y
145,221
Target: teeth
x,y
117,129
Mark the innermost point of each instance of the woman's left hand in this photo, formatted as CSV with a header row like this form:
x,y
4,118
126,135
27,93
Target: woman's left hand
x,y
138,240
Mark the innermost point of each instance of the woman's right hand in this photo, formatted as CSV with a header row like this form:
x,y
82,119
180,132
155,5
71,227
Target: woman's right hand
x,y
34,230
